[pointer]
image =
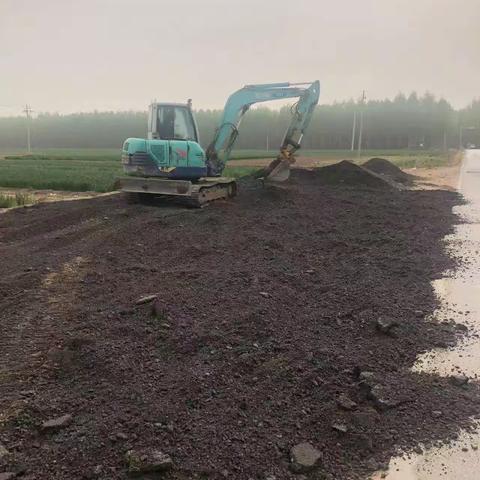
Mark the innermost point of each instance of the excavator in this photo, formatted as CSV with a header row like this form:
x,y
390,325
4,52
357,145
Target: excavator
x,y
171,162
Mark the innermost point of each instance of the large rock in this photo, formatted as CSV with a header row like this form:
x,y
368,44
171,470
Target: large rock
x,y
346,403
367,380
386,325
304,457
383,399
57,423
147,460
146,299
340,427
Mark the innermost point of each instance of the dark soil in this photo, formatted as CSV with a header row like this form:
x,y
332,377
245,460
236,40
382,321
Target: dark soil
x,y
342,173
265,317
382,166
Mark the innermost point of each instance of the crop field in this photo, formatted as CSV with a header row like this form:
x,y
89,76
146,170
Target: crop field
x,y
96,169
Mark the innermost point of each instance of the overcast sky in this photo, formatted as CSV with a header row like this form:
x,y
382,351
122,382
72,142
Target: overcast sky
x,y
80,55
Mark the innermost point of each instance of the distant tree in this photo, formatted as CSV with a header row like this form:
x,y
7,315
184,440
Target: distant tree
x,y
388,124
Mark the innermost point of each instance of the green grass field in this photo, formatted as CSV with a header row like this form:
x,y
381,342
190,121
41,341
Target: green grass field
x,y
95,169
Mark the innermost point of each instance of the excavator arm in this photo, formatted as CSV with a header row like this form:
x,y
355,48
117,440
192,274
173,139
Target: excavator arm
x,y
238,104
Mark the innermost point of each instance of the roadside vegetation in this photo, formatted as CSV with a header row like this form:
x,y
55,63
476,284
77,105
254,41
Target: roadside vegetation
x,y
81,170
19,199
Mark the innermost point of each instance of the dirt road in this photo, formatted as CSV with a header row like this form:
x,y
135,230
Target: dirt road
x,y
271,311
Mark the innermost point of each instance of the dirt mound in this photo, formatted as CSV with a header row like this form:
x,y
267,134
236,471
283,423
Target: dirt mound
x,y
260,338
382,166
342,173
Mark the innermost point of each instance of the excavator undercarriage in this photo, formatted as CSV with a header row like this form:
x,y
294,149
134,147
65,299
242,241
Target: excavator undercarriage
x,y
194,193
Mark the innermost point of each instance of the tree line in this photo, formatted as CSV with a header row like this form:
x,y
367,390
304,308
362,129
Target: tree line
x,y
405,122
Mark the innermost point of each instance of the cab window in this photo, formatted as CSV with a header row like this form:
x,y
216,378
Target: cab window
x,y
175,123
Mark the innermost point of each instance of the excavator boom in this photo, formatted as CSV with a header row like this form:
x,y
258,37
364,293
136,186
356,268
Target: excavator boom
x,y
238,104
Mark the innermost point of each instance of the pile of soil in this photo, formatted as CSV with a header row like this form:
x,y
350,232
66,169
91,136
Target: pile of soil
x,y
265,324
382,166
341,173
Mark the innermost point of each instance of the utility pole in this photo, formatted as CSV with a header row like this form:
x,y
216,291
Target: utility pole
x,y
360,133
354,128
28,110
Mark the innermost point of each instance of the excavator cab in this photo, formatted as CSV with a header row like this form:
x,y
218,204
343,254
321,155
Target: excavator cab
x,y
172,121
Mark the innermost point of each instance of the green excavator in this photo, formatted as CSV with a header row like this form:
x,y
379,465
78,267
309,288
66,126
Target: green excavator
x,y
171,162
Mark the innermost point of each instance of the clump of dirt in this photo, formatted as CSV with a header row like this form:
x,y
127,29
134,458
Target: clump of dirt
x,y
381,166
342,173
263,334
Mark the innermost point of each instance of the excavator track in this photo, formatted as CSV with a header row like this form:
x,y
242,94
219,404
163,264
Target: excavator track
x,y
197,194
203,195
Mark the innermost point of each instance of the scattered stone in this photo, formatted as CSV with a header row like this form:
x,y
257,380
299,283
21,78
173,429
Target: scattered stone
x,y
27,393
147,460
3,452
146,299
437,413
367,381
465,449
340,427
57,423
304,457
122,436
385,325
367,377
265,294
419,313
459,380
346,403
381,399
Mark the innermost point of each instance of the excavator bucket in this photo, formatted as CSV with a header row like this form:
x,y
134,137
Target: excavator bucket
x,y
278,171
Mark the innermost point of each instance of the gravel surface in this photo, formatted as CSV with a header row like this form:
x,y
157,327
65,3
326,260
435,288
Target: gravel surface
x,y
289,316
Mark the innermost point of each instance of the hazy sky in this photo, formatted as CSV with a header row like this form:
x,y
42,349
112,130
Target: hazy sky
x,y
70,55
